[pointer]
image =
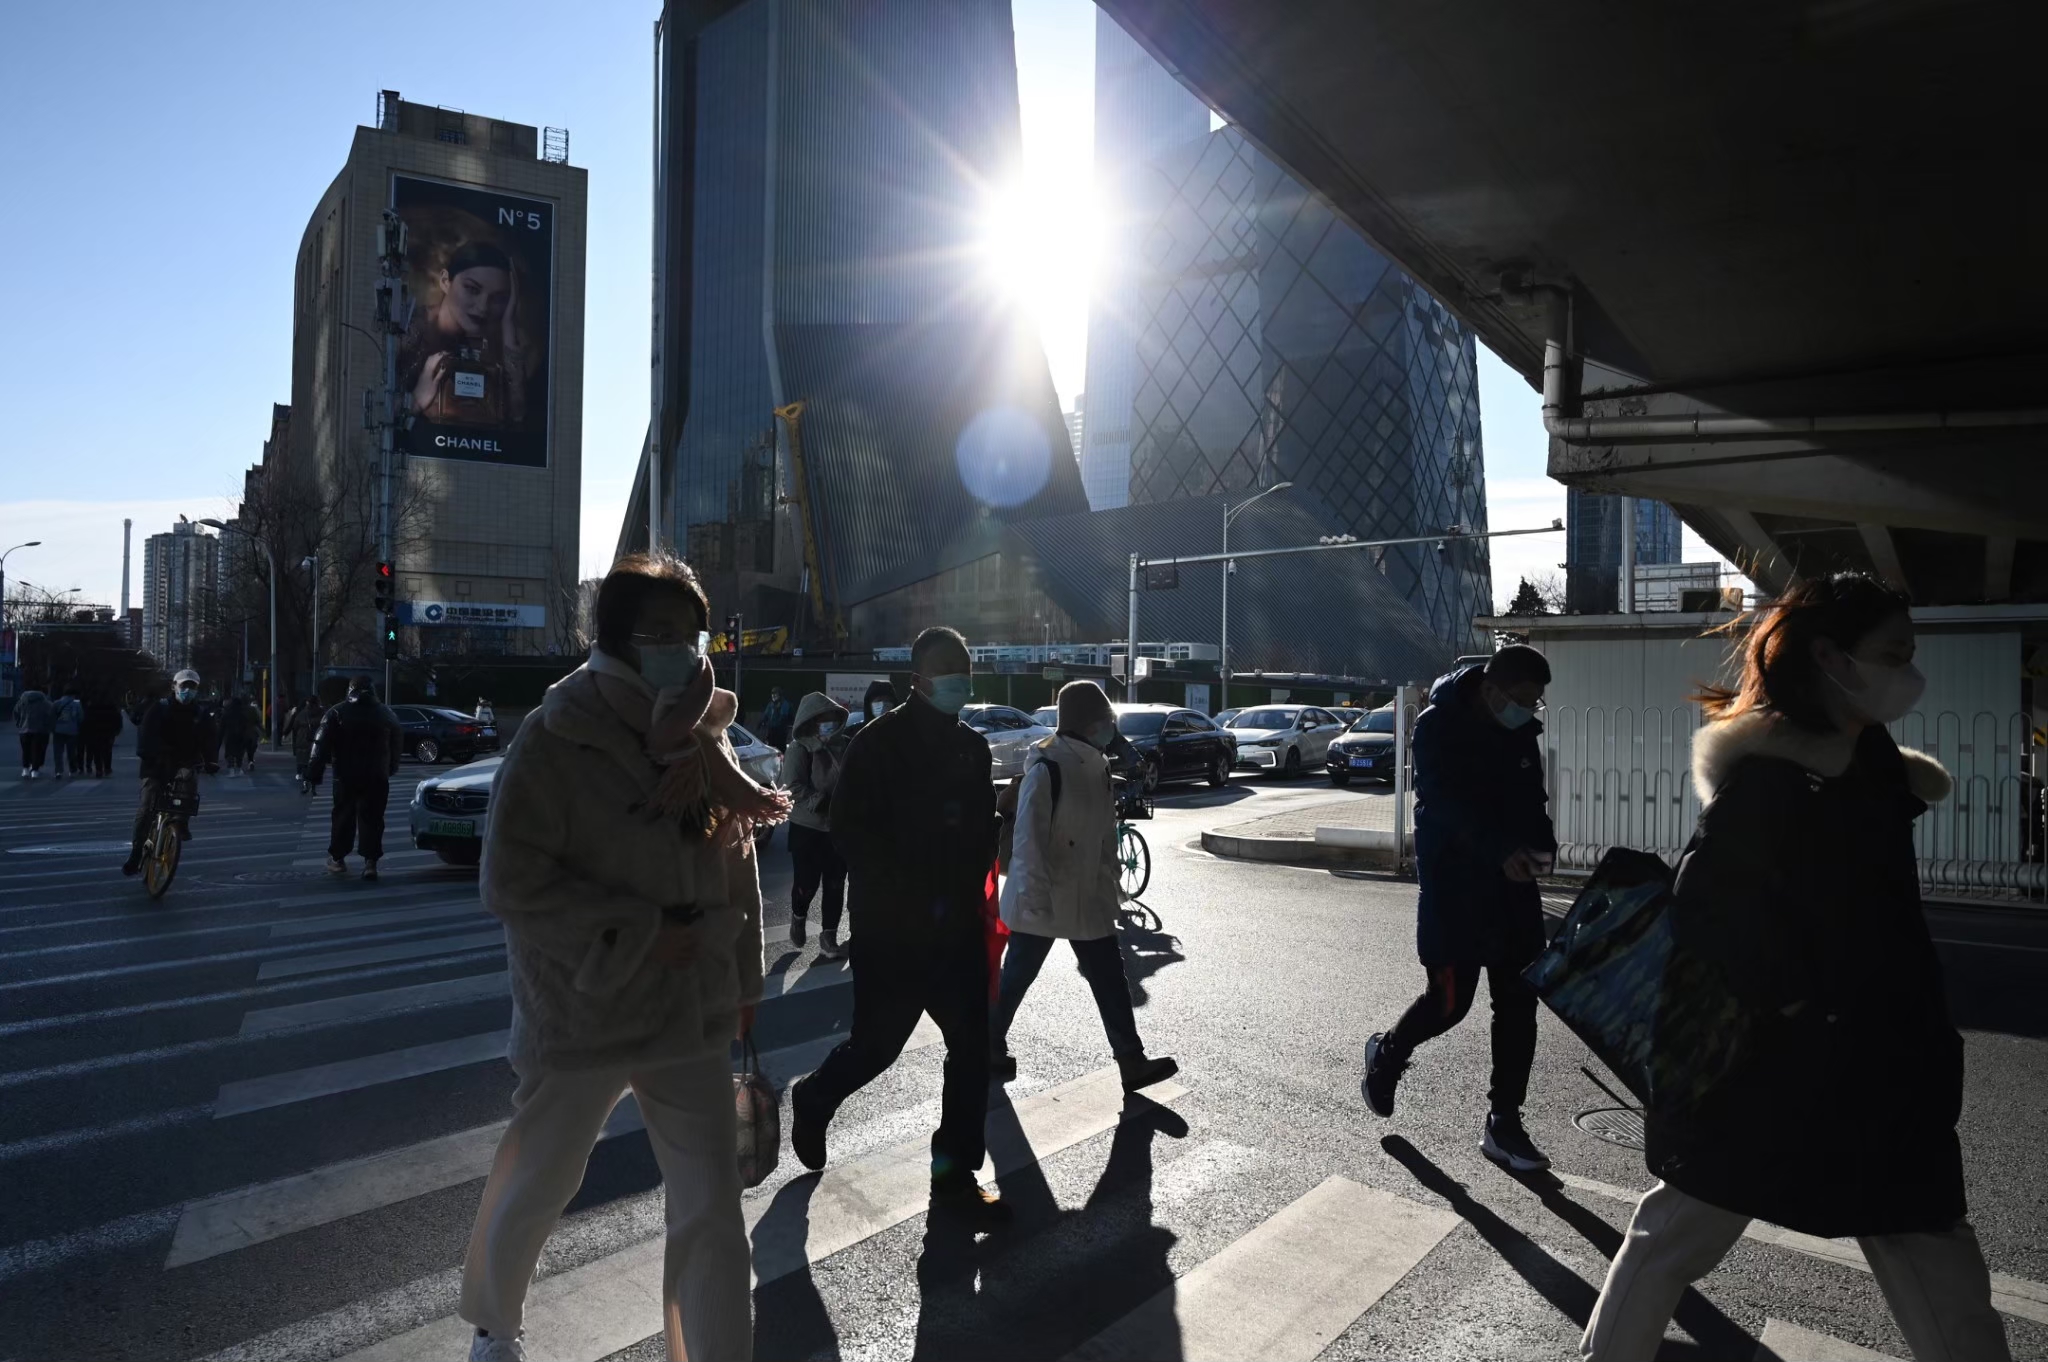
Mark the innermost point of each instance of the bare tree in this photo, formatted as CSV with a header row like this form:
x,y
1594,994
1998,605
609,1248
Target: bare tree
x,y
1550,590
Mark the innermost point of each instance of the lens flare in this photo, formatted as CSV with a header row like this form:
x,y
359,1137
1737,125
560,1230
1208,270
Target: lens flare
x,y
1004,457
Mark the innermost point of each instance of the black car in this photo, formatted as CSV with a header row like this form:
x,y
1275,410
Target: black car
x,y
432,734
1176,744
1365,750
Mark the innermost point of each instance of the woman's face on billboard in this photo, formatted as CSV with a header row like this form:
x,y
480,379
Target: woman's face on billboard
x,y
474,300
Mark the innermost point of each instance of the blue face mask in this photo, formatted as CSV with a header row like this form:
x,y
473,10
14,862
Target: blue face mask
x,y
950,694
187,694
665,666
1102,735
1512,715
826,730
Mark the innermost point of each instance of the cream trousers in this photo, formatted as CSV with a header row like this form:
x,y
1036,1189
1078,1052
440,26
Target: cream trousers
x,y
1937,1285
688,1110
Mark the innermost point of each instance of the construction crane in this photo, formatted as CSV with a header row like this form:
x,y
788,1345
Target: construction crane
x,y
827,613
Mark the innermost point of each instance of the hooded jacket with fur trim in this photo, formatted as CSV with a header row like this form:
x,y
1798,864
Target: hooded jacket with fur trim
x,y
1801,887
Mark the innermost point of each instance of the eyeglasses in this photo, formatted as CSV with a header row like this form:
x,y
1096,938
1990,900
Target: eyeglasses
x,y
702,640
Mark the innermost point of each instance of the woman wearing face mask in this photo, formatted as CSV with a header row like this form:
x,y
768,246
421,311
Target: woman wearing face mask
x,y
1802,890
620,857
1063,883
810,770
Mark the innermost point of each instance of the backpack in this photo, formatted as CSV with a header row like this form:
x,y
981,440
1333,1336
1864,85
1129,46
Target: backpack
x,y
1011,797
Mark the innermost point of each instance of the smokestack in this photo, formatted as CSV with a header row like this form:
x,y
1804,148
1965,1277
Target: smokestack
x,y
127,530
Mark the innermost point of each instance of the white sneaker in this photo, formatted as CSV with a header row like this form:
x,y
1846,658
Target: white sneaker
x,y
484,1348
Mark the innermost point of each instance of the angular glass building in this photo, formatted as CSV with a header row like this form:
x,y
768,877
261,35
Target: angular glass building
x,y
822,172
1268,342
1592,554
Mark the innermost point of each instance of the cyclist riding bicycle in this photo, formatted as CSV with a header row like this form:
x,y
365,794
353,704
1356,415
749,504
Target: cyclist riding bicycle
x,y
175,737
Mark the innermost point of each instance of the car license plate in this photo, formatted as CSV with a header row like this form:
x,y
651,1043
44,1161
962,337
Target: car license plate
x,y
1361,761
451,827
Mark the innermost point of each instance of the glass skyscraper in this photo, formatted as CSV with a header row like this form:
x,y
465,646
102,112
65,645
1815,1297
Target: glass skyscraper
x,y
1592,552
1250,337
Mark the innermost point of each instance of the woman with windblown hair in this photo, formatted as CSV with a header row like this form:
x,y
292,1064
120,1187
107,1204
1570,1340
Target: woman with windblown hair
x,y
1801,892
620,857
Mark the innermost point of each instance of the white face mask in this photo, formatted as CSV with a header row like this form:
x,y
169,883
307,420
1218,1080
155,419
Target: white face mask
x,y
665,666
826,729
878,708
1887,693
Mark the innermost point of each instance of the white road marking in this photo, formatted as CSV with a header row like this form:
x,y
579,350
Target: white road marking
x,y
354,1006
2009,1295
365,1071
416,949
1289,1287
595,1310
1783,1342
251,1215
383,917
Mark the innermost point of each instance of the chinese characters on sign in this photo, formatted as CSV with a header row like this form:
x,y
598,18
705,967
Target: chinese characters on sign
x,y
472,615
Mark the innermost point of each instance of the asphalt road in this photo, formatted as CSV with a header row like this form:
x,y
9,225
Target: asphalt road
x,y
252,1122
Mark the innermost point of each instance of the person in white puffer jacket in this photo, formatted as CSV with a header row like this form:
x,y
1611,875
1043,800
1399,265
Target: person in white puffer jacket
x,y
1062,883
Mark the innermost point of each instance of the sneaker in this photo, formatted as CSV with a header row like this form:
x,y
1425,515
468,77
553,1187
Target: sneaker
x,y
336,866
960,1194
798,933
1507,1144
806,1136
1140,1072
133,865
1002,1066
484,1348
1383,1069
369,870
829,946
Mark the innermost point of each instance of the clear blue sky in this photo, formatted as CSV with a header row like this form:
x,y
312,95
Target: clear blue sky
x,y
162,160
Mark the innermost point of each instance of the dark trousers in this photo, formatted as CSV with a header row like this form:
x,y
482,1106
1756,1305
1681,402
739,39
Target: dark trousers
x,y
34,746
70,758
895,979
99,754
1102,965
817,862
1447,1000
358,817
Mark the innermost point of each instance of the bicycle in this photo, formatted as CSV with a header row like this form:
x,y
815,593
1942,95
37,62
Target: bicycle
x,y
177,799
1133,854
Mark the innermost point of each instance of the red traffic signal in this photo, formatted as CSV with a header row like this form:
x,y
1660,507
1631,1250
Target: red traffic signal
x,y
382,582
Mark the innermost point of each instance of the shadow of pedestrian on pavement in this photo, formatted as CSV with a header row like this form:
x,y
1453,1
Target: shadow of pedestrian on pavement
x,y
1148,947
790,1319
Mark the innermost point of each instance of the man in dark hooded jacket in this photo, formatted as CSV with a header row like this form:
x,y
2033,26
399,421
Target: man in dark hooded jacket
x,y
1482,836
362,740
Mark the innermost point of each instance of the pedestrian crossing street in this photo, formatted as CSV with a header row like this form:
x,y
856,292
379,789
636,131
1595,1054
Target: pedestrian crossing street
x,y
249,1124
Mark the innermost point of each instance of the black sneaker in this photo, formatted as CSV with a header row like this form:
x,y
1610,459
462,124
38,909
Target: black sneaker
x,y
1002,1067
806,1136
1383,1070
133,865
1507,1144
960,1194
798,932
1140,1072
369,870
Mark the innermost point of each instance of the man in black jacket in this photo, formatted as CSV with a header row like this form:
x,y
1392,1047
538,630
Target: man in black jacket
x,y
361,739
174,735
914,816
1482,836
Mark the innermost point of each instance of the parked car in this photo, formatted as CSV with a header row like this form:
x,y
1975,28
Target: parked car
x,y
1010,733
1176,744
1224,716
1283,740
1365,750
757,758
1049,716
1347,715
449,813
431,733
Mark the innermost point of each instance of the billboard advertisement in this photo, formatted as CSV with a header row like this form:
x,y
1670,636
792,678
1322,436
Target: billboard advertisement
x,y
475,359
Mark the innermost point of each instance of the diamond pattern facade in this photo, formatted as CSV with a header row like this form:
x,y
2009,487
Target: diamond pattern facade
x,y
1274,344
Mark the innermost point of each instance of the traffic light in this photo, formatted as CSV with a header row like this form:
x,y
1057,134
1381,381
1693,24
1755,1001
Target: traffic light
x,y
390,637
732,632
383,588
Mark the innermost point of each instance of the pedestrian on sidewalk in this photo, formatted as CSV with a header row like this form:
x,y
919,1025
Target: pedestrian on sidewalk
x,y
1062,883
776,718
877,700
914,814
361,739
172,737
620,856
1802,892
810,772
67,722
102,726
1482,836
34,716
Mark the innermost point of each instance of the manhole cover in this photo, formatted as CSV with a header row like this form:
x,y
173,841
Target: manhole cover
x,y
68,849
279,876
1616,1125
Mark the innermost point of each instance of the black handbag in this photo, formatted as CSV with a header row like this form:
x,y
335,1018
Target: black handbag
x,y
1662,1019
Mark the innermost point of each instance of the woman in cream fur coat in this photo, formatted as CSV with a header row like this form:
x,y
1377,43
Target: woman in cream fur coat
x,y
620,858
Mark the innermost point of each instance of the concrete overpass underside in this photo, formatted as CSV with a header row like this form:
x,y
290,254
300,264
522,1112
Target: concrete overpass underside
x,y
1782,254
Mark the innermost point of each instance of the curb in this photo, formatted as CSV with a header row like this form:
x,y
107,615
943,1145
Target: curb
x,y
1293,851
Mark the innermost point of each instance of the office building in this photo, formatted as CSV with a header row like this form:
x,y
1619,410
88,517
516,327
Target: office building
x,y
1592,555
180,586
487,507
1077,428
822,172
1251,337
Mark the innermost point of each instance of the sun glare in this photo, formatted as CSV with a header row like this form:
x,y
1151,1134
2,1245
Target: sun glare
x,y
1038,245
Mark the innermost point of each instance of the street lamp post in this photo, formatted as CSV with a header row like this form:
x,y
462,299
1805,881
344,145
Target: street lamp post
x,y
312,561
270,560
3,582
1230,513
